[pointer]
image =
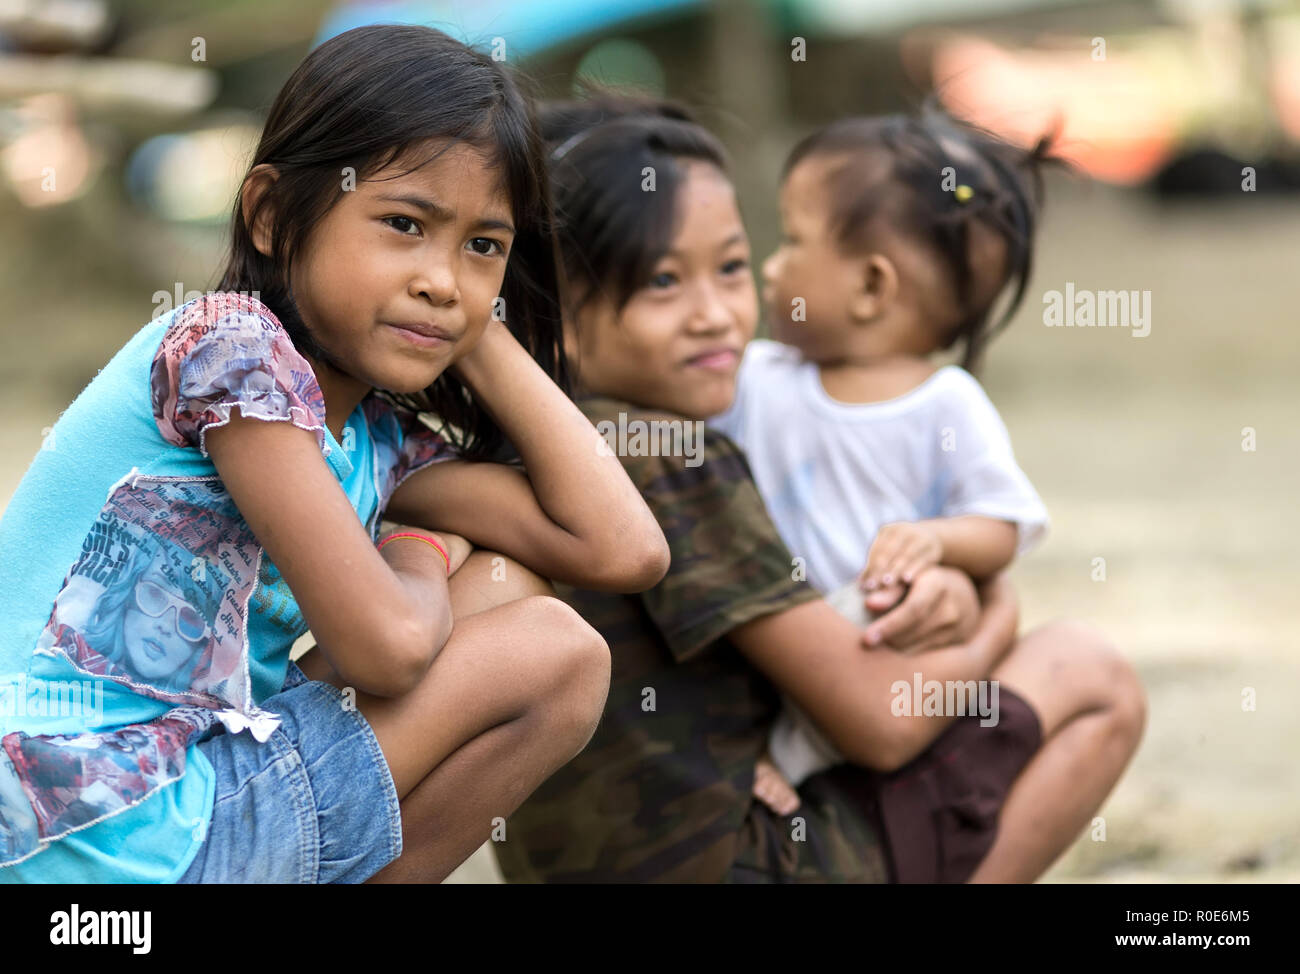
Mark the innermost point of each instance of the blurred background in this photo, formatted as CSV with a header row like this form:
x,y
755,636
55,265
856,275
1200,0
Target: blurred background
x,y
1168,462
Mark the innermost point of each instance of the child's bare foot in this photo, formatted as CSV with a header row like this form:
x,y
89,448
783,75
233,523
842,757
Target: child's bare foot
x,y
771,788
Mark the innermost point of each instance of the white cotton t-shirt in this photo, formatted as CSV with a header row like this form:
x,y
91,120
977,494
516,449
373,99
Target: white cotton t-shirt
x,y
832,473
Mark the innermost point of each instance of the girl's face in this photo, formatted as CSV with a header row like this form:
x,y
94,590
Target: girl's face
x,y
397,281
157,646
677,343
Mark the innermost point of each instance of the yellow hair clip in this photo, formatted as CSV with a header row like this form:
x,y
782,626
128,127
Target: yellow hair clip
x,y
963,193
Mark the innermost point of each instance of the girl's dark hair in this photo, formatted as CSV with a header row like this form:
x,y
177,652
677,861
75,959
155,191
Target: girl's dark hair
x,y
910,170
611,230
364,99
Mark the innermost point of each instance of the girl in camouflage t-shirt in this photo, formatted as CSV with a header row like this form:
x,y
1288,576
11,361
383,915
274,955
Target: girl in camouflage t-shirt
x,y
661,302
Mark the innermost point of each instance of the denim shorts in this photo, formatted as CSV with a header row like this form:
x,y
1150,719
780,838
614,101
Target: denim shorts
x,y
314,804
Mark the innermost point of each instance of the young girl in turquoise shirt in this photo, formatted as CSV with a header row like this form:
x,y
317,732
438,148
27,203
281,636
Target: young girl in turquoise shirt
x,y
217,491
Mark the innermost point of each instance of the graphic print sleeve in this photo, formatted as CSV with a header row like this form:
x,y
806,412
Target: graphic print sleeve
x,y
229,350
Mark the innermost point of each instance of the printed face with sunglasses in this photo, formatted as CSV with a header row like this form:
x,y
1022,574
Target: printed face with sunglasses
x,y
161,632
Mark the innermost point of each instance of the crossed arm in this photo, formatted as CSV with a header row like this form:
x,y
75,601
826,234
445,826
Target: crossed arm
x,y
380,618
574,517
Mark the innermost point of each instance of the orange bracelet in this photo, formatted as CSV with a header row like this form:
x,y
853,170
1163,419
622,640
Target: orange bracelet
x,y
432,542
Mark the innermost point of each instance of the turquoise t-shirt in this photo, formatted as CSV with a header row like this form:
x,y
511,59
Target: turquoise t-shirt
x,y
137,610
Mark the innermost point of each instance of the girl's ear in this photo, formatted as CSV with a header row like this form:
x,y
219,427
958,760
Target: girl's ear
x,y
259,218
877,287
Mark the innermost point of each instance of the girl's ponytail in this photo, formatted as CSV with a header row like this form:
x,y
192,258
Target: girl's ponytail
x,y
1010,206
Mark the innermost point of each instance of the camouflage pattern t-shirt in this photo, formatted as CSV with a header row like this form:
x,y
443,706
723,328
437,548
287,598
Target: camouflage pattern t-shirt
x,y
663,791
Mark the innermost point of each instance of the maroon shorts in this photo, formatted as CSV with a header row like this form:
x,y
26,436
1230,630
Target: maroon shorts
x,y
931,821
939,814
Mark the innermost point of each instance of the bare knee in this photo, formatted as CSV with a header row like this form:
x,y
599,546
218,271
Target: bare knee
x,y
572,672
1067,669
517,580
488,579
1115,682
1128,709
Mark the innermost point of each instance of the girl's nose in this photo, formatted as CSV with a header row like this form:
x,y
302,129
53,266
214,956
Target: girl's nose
x,y
437,283
711,312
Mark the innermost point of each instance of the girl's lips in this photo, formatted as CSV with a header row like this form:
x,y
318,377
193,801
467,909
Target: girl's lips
x,y
723,360
419,338
154,650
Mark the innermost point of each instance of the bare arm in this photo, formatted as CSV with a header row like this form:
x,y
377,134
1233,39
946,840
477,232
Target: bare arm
x,y
815,655
979,546
379,618
574,516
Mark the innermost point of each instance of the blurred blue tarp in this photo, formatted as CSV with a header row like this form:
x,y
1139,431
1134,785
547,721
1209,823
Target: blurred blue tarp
x,y
530,26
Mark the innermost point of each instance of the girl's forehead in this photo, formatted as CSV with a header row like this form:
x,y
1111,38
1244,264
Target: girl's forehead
x,y
428,164
464,185
707,188
701,173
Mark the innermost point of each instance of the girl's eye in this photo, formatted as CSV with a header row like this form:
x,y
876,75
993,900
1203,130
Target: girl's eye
x,y
493,246
664,280
402,224
735,266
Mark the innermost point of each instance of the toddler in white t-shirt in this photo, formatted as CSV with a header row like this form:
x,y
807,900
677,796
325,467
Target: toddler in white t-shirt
x,y
898,235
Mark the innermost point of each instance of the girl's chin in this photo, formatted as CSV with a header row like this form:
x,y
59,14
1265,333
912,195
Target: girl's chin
x,y
408,382
706,406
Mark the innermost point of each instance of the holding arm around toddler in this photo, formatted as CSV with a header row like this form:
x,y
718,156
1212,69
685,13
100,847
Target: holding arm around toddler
x,y
814,654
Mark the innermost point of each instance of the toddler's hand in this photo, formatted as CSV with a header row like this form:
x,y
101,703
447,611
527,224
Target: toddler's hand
x,y
899,553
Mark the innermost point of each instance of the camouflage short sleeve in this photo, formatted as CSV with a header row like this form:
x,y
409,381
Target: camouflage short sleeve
x,y
729,564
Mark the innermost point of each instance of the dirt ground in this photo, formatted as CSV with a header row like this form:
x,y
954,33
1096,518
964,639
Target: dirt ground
x,y
1136,445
